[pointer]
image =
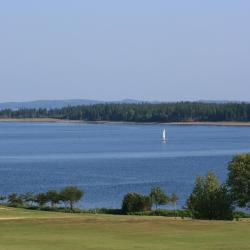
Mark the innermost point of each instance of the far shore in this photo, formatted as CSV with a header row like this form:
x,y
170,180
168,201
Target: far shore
x,y
222,123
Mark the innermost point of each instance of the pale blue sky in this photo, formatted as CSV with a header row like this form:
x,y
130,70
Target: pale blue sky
x,y
109,50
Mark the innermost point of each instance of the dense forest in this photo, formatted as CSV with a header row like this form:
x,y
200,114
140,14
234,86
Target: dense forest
x,y
143,112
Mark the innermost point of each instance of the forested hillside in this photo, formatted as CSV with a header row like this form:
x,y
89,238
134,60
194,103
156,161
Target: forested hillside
x,y
144,112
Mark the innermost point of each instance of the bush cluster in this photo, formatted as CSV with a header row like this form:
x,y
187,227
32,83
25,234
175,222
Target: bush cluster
x,y
135,202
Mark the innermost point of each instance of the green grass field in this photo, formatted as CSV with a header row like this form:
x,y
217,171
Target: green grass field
x,y
32,230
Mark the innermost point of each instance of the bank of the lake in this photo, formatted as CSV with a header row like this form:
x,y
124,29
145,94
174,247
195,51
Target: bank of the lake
x,y
220,123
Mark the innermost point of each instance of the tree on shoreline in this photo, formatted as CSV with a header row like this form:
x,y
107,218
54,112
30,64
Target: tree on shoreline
x,y
71,195
135,202
239,179
41,199
15,200
53,196
158,197
173,200
209,199
2,198
29,198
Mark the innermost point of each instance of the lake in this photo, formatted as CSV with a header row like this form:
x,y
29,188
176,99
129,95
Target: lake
x,y
110,160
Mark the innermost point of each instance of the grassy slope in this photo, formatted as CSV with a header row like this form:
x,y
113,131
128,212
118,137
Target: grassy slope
x,y
24,230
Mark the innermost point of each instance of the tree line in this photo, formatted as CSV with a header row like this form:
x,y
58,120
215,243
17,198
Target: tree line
x,y
209,199
67,196
142,112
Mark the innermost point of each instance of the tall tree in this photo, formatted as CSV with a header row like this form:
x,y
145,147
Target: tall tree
x,y
173,199
53,197
28,198
41,199
71,194
158,197
239,179
210,199
15,200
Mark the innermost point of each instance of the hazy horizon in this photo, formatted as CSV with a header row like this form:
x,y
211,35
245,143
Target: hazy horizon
x,y
113,50
117,100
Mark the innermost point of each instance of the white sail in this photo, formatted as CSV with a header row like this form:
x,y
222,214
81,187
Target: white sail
x,y
164,135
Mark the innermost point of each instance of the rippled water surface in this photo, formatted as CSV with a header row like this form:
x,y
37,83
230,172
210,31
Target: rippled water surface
x,y
108,160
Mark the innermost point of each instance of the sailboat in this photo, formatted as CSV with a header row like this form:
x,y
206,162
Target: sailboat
x,y
164,138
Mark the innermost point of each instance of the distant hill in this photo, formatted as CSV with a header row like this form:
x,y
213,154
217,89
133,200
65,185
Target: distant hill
x,y
51,104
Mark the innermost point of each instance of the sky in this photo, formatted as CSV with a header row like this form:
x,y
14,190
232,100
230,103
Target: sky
x,y
161,50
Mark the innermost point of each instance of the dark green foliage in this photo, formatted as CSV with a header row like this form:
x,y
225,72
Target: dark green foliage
x,y
71,195
41,199
103,210
2,198
53,196
158,197
15,200
134,202
165,212
210,199
239,179
144,112
28,198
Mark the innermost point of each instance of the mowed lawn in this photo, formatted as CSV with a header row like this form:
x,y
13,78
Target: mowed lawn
x,y
23,230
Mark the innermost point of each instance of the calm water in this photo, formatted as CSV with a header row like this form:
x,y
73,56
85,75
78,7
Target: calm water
x,y
108,161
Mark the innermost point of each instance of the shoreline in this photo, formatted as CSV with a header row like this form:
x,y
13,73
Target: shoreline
x,y
54,120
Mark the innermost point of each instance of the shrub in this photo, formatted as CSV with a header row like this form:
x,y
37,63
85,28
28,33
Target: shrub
x,y
241,214
134,202
106,211
164,212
